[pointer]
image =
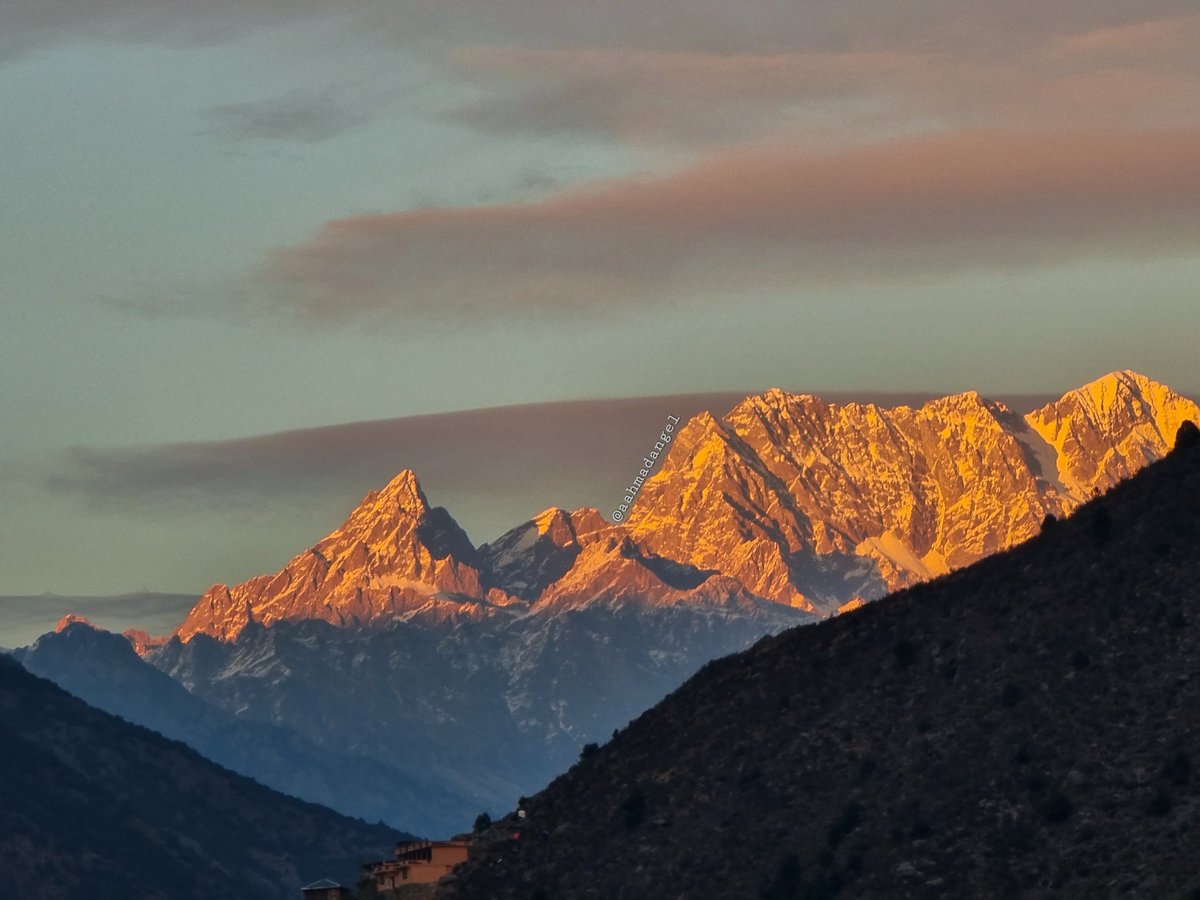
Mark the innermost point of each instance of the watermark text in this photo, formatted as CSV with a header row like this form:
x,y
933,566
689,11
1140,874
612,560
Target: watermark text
x,y
648,463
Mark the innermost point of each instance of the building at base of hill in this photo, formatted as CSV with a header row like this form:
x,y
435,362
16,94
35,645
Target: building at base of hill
x,y
415,863
326,890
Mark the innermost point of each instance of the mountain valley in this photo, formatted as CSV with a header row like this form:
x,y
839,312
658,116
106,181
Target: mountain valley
x,y
1022,727
396,652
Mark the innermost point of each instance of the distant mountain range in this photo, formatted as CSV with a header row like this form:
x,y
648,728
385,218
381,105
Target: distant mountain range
x,y
95,808
474,674
102,669
798,501
24,618
819,505
1023,727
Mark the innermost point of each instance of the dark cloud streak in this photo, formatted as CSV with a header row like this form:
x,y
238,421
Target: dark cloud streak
x,y
771,218
494,465
702,25
492,468
297,115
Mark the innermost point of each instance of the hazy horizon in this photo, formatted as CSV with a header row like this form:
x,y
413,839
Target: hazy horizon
x,y
229,223
272,495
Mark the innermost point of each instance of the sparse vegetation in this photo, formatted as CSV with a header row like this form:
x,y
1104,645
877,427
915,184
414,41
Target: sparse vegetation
x,y
785,884
1057,807
849,819
633,808
1101,527
92,806
1160,804
1060,766
1187,436
1011,695
921,830
1178,769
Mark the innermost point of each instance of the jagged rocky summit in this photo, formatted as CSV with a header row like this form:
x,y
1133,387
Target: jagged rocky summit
x,y
787,499
465,676
1023,727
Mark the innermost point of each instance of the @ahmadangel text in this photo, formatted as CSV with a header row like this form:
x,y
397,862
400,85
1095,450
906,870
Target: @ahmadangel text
x,y
648,463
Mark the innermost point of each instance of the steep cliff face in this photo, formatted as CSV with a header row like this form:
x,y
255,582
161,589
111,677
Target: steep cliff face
x,y
787,498
613,571
483,670
395,556
812,503
563,560
717,505
1106,431
529,558
1024,727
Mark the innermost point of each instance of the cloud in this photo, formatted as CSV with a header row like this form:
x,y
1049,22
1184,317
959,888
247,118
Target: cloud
x,y
28,25
694,72
298,115
861,82
492,468
647,97
937,29
1166,41
767,218
677,24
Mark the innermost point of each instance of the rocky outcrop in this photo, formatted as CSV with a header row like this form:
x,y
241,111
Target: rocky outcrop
x,y
395,556
787,498
1106,431
483,670
811,503
1024,727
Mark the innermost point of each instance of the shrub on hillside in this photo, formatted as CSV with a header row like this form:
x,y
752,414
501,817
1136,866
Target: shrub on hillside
x,y
633,808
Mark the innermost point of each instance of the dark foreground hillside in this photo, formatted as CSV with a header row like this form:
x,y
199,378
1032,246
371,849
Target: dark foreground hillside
x,y
103,670
1029,726
94,807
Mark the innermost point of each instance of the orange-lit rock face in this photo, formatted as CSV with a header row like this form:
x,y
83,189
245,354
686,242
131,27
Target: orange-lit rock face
x,y
787,482
787,498
1107,430
393,556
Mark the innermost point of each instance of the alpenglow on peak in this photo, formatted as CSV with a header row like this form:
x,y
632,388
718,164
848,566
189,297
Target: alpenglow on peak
x,y
786,498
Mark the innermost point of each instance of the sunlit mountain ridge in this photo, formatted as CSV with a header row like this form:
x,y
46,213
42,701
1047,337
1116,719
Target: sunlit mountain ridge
x,y
479,672
786,499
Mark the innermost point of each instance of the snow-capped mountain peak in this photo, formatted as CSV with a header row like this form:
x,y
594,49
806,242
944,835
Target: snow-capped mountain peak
x,y
788,498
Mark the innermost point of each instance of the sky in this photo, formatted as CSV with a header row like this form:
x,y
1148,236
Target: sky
x,y
230,227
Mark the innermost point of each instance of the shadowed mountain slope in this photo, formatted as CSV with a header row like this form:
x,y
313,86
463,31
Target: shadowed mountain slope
x,y
94,807
103,670
1025,726
790,498
481,671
